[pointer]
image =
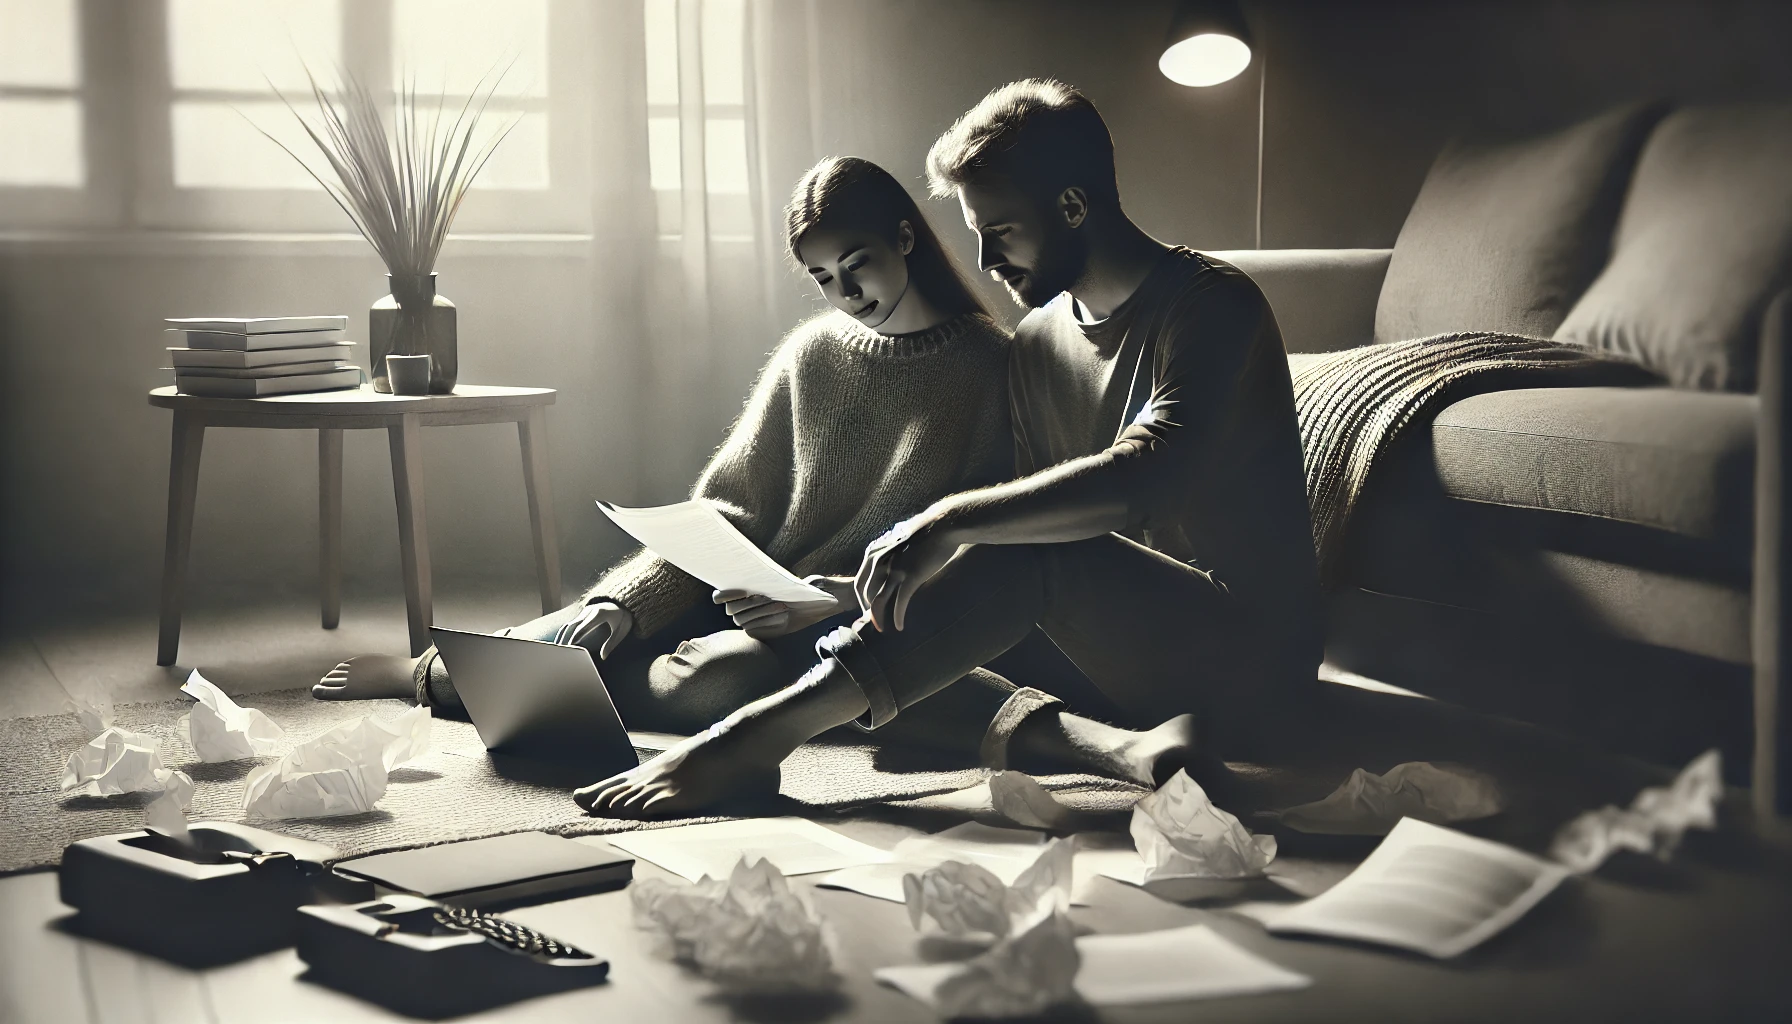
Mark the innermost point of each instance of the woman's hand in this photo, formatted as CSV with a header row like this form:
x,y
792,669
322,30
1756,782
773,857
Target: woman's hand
x,y
604,615
898,563
763,618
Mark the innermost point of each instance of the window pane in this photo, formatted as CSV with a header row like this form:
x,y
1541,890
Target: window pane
x,y
448,46
725,155
43,142
216,145
38,45
662,52
664,172
521,160
723,42
229,44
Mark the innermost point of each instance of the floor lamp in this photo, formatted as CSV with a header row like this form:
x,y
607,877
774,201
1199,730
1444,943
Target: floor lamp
x,y
1208,43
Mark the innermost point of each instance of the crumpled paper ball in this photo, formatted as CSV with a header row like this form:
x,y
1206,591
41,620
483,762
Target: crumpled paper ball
x,y
119,761
750,933
1024,975
167,813
222,730
1653,823
340,772
1367,804
1181,834
968,901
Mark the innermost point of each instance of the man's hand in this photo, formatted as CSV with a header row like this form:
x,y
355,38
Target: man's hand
x,y
616,620
898,563
763,618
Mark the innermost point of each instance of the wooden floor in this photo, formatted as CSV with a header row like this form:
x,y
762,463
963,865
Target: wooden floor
x,y
1705,938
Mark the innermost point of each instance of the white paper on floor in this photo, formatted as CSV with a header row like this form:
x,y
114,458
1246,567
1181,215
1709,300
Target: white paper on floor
x,y
1025,974
343,771
1367,804
967,901
1006,852
1180,834
1652,824
1018,797
748,932
1429,889
222,730
795,846
119,761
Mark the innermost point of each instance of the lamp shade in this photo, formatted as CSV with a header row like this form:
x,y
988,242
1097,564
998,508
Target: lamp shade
x,y
1207,43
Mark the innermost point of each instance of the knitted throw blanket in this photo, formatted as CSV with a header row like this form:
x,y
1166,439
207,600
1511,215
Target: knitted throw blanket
x,y
1353,404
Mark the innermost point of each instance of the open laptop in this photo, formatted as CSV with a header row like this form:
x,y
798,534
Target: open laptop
x,y
540,708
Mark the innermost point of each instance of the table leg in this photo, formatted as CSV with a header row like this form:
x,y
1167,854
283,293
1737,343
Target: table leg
x,y
538,482
183,491
329,523
406,437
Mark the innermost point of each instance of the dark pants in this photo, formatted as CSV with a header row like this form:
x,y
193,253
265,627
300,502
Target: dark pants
x,y
1157,637
668,683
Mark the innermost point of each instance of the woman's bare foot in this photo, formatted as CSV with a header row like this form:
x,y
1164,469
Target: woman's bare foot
x,y
1154,755
722,764
368,677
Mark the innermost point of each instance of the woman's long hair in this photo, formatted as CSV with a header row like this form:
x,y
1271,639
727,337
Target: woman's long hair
x,y
856,194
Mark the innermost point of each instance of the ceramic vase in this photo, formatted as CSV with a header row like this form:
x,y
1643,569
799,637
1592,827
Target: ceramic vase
x,y
413,320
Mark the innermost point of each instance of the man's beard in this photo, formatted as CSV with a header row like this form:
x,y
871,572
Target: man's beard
x,y
1062,261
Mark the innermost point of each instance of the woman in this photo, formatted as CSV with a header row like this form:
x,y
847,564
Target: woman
x,y
862,417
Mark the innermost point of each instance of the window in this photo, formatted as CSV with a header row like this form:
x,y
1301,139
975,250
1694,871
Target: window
x,y
40,95
716,126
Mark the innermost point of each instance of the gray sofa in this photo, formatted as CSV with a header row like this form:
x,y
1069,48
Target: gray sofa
x,y
1609,560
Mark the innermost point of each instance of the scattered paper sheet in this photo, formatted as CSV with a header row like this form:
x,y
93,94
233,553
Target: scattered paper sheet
x,y
341,772
1429,889
1180,834
694,536
1022,976
795,846
118,761
1654,822
1006,852
1020,798
749,932
221,730
967,901
1194,962
1371,805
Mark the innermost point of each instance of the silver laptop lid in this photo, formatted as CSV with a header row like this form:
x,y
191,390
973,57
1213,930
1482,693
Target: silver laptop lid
x,y
541,701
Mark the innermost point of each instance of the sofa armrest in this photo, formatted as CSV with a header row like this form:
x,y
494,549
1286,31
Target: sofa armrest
x,y
1772,775
1324,299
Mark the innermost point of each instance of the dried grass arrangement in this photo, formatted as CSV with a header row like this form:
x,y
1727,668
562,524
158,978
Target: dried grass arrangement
x,y
401,181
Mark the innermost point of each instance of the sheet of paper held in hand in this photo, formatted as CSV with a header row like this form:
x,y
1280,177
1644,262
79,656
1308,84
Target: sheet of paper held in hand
x,y
696,537
1429,889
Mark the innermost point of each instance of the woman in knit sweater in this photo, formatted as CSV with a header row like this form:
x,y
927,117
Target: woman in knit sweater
x,y
862,417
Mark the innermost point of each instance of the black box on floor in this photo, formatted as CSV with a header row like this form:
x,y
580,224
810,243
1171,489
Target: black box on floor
x,y
230,893
427,959
498,871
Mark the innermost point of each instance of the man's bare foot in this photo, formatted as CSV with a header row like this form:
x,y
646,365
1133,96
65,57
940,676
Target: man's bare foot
x,y
368,677
1154,755
714,767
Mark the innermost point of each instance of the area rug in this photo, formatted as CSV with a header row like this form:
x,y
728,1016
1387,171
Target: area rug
x,y
447,794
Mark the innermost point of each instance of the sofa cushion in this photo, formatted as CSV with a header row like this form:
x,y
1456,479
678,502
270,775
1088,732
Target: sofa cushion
x,y
1703,243
1673,460
1505,237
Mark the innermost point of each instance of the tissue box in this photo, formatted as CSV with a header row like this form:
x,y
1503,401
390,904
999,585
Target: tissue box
x,y
229,895
397,953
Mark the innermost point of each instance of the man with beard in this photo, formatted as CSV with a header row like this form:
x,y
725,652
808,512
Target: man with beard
x,y
1158,532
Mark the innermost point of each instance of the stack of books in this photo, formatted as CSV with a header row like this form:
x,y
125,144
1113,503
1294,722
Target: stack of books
x,y
244,357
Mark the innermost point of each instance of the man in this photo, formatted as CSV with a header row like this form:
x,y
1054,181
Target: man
x,y
1158,532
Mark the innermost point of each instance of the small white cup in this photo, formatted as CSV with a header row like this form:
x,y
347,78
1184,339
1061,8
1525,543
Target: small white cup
x,y
409,374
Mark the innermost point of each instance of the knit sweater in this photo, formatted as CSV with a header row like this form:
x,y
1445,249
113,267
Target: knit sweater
x,y
846,433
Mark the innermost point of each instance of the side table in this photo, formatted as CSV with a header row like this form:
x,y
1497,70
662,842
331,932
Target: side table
x,y
330,413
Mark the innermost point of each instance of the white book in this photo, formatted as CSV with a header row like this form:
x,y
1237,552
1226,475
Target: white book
x,y
254,342
695,537
258,324
1429,889
260,372
244,358
254,387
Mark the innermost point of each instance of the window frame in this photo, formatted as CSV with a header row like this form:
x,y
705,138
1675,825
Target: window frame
x,y
99,199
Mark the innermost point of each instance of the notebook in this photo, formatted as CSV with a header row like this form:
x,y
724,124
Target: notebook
x,y
524,867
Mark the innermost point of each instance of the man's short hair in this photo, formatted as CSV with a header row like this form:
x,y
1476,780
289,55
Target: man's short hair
x,y
1040,134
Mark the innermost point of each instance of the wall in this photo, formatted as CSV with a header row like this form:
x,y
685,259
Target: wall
x,y
1359,97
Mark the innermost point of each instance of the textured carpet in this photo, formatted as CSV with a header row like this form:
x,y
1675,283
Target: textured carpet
x,y
449,793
